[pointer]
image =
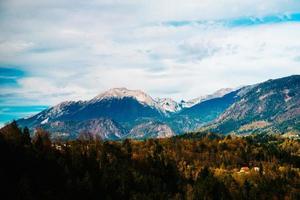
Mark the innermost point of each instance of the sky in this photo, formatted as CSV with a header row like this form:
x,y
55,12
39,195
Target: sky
x,y
57,50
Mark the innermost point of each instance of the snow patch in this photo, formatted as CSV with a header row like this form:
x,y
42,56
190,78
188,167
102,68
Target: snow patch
x,y
286,95
218,94
45,121
121,93
168,104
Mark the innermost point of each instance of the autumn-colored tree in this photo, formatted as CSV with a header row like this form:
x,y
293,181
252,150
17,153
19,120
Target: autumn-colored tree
x,y
41,139
205,167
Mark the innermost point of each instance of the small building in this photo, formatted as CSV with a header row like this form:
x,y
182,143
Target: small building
x,y
244,170
57,146
256,169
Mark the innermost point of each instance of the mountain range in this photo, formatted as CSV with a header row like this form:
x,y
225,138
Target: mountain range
x,y
272,106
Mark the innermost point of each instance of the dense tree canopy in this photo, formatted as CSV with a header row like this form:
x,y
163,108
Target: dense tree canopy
x,y
205,167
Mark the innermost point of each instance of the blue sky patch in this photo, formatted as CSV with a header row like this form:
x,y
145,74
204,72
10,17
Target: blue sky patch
x,y
9,113
243,21
9,76
10,72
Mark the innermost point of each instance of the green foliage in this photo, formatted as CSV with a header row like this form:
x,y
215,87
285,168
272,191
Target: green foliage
x,y
209,187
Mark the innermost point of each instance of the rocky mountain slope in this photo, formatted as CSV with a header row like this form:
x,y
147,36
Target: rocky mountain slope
x,y
272,106
110,115
151,129
119,113
168,105
102,127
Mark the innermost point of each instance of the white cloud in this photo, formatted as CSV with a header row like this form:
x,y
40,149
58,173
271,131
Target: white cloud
x,y
76,50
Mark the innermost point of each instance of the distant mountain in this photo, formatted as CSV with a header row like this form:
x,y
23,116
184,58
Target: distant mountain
x,y
217,94
270,107
200,114
119,113
119,104
168,105
121,108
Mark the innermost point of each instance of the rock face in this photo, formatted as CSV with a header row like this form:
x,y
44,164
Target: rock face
x,y
103,128
168,105
272,106
151,130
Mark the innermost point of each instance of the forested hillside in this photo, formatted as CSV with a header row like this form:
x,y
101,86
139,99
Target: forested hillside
x,y
208,166
269,107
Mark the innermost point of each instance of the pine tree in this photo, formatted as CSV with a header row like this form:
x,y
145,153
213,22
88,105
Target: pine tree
x,y
26,140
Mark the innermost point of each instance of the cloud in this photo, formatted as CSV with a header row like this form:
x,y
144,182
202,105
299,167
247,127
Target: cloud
x,y
72,51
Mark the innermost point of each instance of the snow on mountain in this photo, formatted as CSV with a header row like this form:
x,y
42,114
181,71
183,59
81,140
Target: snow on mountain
x,y
164,105
45,121
268,107
217,94
115,114
168,104
121,93
190,103
59,109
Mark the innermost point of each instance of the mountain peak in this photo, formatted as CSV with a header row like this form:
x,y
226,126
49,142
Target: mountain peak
x,y
123,92
168,104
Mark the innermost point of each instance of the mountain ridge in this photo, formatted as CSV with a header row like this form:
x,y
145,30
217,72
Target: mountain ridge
x,y
272,106
119,112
